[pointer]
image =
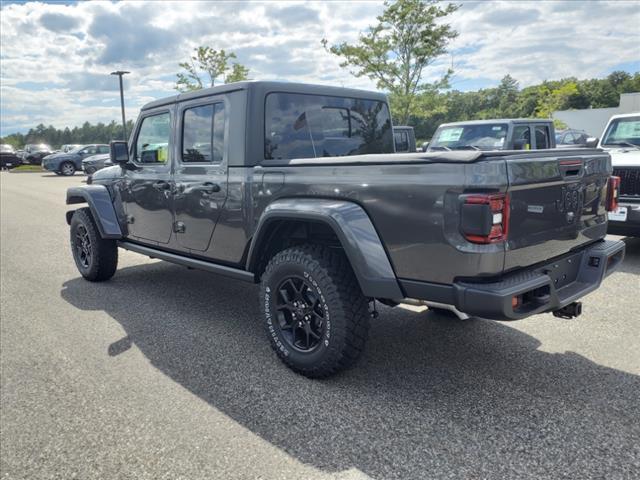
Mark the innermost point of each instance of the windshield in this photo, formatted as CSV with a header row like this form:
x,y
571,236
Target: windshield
x,y
6,148
76,149
623,131
485,136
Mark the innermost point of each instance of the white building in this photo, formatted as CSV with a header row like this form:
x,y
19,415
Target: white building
x,y
593,120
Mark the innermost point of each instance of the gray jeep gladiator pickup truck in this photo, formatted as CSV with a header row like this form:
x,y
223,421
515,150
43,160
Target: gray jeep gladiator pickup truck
x,y
298,188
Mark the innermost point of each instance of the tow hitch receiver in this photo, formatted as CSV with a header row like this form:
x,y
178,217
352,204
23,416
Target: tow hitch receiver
x,y
570,311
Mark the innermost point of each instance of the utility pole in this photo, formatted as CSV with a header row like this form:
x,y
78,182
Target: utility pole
x,y
120,73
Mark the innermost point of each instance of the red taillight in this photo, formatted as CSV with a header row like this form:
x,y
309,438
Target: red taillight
x,y
492,220
613,192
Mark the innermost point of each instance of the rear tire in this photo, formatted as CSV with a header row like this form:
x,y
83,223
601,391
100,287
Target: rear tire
x,y
315,314
67,169
95,257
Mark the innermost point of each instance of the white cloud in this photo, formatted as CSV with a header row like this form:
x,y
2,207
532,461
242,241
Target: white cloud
x,y
56,58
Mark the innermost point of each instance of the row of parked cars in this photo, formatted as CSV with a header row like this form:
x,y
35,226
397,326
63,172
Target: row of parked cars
x,y
66,161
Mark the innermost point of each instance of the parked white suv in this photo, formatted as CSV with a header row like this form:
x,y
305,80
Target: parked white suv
x,y
621,138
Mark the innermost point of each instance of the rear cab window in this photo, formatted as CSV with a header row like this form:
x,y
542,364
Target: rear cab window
x,y
313,126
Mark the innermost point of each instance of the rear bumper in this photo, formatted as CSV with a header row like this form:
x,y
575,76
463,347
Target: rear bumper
x,y
542,288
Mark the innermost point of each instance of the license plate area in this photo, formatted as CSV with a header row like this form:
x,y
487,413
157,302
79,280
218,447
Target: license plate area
x,y
619,214
563,271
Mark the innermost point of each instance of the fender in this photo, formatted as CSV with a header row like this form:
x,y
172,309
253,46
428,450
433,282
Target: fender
x,y
353,228
99,200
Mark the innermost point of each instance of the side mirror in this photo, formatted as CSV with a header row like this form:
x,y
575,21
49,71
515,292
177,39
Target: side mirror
x,y
119,152
591,142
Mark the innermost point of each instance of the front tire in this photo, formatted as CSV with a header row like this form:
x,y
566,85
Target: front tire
x,y
95,257
314,311
67,169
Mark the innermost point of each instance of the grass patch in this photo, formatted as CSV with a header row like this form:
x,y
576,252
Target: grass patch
x,y
28,168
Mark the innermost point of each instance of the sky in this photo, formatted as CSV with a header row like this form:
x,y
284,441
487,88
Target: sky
x,y
55,58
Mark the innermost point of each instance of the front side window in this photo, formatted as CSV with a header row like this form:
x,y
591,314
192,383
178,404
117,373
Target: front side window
x,y
203,134
152,144
623,132
311,126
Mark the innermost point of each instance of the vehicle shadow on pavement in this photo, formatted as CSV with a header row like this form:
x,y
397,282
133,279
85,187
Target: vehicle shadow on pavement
x,y
430,397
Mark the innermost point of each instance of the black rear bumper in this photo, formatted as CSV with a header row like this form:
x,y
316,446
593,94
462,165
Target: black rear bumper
x,y
542,288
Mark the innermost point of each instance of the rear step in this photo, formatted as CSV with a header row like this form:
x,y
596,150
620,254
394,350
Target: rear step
x,y
572,310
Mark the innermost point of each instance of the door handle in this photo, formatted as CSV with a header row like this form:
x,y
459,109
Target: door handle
x,y
209,187
162,185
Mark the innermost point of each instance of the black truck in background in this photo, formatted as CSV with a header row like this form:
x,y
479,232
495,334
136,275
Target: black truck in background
x,y
298,187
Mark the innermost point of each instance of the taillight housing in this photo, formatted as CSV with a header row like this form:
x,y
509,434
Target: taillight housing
x,y
485,217
613,192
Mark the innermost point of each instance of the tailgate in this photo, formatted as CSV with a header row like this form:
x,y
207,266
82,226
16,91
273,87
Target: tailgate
x,y
558,203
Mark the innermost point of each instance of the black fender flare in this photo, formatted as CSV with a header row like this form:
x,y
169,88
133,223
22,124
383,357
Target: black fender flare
x,y
102,209
354,229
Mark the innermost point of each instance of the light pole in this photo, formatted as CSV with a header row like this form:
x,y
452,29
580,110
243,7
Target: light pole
x,y
120,73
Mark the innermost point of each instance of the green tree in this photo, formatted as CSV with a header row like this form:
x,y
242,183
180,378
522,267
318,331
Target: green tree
x,y
238,73
556,99
408,37
212,64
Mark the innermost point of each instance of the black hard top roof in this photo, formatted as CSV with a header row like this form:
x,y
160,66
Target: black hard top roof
x,y
263,87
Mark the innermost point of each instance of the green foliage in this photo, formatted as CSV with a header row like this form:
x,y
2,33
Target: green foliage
x,y
408,37
88,133
507,100
238,73
215,64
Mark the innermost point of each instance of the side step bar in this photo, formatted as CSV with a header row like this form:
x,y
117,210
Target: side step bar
x,y
190,262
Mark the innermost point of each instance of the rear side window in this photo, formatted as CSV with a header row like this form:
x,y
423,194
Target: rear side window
x,y
152,144
103,149
203,134
542,137
311,126
402,141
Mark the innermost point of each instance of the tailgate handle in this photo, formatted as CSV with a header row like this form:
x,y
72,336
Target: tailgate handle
x,y
570,167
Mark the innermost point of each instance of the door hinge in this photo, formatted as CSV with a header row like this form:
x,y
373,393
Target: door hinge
x,y
179,227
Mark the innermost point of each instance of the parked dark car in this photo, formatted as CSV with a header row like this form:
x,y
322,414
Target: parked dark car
x,y
297,187
487,135
96,162
404,139
8,157
68,163
34,153
575,138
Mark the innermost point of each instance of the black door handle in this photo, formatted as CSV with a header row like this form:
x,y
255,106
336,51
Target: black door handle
x,y
209,187
162,185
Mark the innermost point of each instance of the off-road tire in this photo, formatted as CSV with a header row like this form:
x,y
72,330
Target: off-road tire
x,y
102,262
67,169
331,281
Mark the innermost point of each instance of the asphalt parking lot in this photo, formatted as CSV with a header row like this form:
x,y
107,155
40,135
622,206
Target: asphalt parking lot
x,y
164,372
